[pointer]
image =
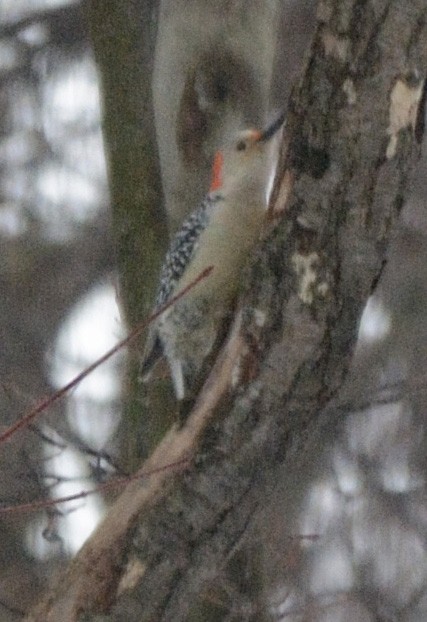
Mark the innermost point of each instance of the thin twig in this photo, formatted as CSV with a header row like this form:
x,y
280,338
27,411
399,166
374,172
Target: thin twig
x,y
122,481
48,401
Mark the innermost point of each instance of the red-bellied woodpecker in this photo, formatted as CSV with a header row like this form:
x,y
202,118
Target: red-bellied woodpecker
x,y
220,233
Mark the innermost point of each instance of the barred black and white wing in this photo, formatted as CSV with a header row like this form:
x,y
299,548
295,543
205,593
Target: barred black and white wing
x,y
182,249
181,252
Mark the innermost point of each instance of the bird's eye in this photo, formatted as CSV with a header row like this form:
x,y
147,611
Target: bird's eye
x,y
241,145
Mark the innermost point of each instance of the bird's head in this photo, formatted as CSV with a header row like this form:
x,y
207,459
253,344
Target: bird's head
x,y
247,161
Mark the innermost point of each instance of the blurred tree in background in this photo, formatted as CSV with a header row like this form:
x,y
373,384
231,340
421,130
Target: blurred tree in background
x,y
157,87
55,249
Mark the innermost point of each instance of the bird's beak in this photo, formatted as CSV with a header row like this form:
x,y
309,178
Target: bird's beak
x,y
272,128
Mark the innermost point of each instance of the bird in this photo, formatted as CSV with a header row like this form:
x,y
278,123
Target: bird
x,y
219,235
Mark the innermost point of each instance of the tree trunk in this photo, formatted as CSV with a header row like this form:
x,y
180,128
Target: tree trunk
x,y
123,36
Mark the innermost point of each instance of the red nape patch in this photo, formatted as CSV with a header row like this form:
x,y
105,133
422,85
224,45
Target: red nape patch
x,y
216,181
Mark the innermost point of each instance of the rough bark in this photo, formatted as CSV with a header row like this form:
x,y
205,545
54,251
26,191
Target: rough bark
x,y
355,123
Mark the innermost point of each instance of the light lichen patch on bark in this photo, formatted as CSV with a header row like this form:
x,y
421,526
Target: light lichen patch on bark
x,y
132,575
335,46
310,284
304,266
404,100
349,89
260,317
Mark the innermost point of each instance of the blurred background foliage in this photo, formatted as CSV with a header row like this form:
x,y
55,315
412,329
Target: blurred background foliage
x,y
80,251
